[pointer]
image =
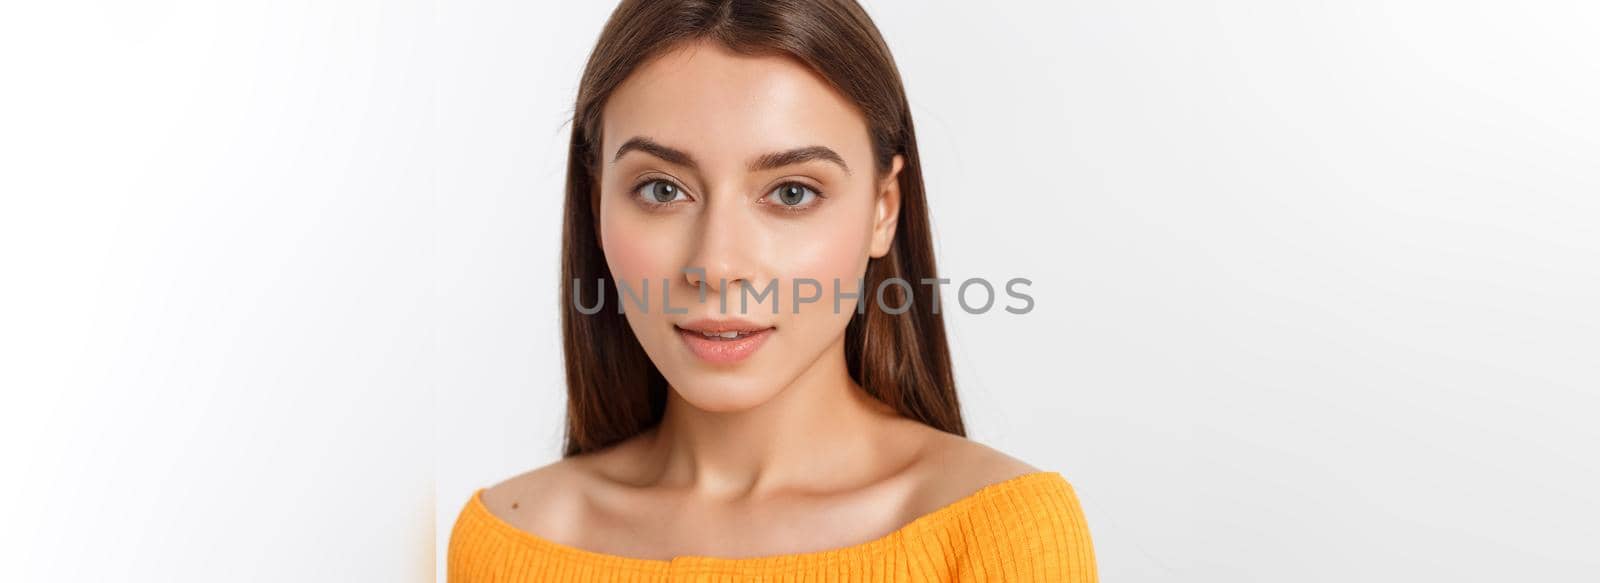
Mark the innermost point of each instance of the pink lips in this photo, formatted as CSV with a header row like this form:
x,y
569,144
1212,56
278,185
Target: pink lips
x,y
717,349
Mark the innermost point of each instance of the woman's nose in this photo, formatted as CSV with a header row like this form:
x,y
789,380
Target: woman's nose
x,y
726,246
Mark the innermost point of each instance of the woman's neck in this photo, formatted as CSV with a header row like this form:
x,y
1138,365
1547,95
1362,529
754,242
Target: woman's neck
x,y
821,430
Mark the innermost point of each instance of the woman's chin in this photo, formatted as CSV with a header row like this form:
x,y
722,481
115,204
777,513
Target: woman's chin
x,y
726,394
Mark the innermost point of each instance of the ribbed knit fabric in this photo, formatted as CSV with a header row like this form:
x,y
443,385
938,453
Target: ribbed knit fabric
x,y
1027,528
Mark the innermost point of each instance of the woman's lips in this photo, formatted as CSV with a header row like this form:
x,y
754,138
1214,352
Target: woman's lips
x,y
720,350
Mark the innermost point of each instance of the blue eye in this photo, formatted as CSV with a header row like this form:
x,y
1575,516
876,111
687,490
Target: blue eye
x,y
794,194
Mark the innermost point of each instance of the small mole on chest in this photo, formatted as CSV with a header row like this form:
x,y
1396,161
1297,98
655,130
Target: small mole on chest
x,y
513,505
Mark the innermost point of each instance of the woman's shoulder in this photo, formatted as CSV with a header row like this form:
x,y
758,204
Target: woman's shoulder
x,y
526,507
549,499
997,507
951,467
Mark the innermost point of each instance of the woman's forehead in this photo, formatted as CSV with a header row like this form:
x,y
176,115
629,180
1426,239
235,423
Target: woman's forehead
x,y
725,106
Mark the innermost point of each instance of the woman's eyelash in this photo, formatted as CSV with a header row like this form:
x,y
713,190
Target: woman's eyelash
x,y
645,200
795,209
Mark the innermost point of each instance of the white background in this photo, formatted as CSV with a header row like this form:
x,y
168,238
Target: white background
x,y
1316,282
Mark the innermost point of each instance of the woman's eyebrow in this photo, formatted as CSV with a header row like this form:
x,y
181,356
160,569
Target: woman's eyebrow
x,y
653,148
763,162
796,156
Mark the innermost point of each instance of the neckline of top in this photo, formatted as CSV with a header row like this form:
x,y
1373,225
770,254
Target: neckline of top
x,y
869,548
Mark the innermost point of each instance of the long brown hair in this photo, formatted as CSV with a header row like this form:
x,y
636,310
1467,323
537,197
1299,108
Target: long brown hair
x,y
614,391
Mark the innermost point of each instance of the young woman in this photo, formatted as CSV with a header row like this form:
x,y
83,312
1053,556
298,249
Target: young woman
x,y
721,149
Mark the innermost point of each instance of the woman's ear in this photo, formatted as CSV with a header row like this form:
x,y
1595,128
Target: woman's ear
x,y
887,211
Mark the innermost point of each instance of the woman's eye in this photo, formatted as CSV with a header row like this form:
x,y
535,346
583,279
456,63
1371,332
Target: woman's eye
x,y
660,192
793,195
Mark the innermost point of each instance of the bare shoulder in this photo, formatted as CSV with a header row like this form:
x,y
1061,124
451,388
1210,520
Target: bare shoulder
x,y
952,467
550,499
537,500
1052,529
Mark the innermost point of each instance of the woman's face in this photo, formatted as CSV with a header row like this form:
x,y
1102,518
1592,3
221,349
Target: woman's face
x,y
756,171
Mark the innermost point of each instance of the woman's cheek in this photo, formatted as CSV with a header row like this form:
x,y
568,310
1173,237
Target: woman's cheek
x,y
636,252
830,257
